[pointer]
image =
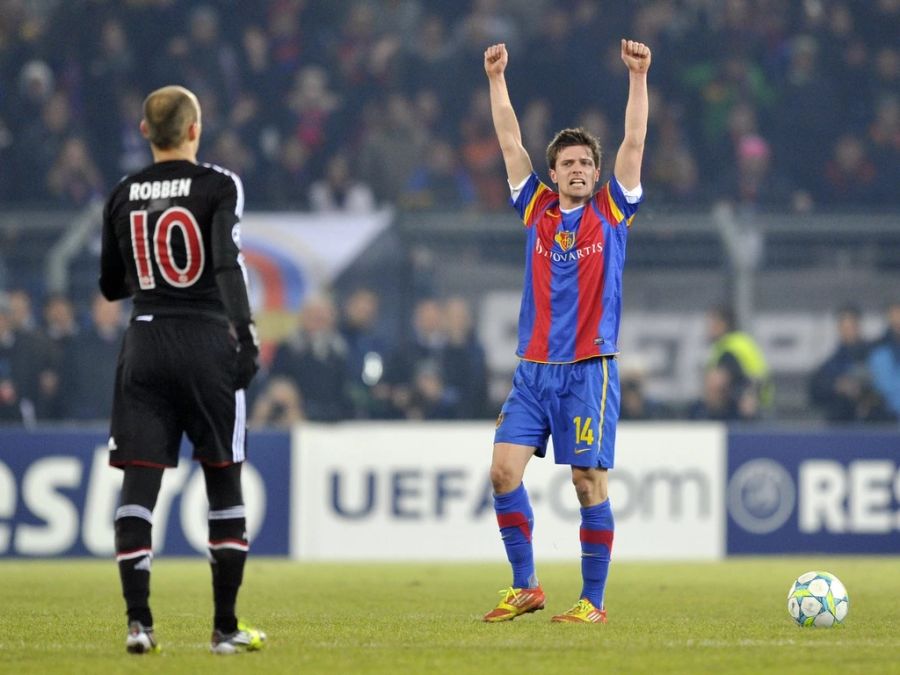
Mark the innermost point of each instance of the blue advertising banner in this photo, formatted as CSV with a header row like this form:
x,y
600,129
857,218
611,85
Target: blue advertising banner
x,y
58,496
835,491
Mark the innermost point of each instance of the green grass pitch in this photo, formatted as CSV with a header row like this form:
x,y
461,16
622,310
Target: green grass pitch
x,y
66,616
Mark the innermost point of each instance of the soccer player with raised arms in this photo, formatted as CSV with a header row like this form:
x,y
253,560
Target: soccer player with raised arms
x,y
566,384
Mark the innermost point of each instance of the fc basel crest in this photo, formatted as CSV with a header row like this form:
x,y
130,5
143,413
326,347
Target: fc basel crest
x,y
565,239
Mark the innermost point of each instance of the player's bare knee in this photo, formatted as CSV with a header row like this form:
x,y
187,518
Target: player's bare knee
x,y
585,491
589,489
504,478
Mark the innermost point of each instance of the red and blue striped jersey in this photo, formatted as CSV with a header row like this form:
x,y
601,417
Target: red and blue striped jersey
x,y
572,295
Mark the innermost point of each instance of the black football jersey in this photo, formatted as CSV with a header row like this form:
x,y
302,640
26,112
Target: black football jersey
x,y
167,230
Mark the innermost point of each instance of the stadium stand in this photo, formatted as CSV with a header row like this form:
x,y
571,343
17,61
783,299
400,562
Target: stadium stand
x,y
772,158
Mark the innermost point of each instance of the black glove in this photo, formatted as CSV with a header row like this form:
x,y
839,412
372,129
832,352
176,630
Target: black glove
x,y
247,364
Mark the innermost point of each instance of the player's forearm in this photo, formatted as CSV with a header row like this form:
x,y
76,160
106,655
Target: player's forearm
x,y
637,111
505,122
226,259
233,292
515,157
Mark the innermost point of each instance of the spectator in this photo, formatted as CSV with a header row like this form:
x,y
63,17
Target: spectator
x,y
315,360
366,350
884,362
37,84
484,24
61,330
884,137
59,318
43,354
279,405
804,131
208,61
230,150
390,148
289,175
440,181
548,64
40,145
850,61
850,177
430,398
595,121
289,37
752,183
130,153
21,314
18,372
720,84
721,400
428,59
463,362
110,67
747,389
481,154
430,114
89,363
6,159
424,346
74,179
635,404
313,105
537,126
841,386
767,57
672,166
259,74
339,191
356,46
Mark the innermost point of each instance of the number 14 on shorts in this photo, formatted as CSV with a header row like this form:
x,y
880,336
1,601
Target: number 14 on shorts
x,y
584,431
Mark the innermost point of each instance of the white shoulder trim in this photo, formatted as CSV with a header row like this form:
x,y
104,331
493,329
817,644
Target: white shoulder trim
x,y
238,186
516,190
631,196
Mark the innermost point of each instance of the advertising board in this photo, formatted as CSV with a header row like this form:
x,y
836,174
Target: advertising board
x,y
422,491
835,491
58,497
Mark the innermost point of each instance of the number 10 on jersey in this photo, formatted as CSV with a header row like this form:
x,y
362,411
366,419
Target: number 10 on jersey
x,y
174,218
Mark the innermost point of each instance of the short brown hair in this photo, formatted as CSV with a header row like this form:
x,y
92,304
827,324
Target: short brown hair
x,y
169,112
569,137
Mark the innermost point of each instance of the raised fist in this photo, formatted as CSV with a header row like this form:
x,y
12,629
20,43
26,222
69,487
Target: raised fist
x,y
495,59
636,56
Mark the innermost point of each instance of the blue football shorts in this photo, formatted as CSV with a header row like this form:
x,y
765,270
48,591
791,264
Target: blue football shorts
x,y
575,403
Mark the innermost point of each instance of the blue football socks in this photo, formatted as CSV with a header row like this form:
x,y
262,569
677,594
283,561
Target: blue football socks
x,y
515,518
596,544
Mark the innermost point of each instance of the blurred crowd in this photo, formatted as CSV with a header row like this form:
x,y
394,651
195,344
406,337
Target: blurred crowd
x,y
859,381
348,104
340,361
337,363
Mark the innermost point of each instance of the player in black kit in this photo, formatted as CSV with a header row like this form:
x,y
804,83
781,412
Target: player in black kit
x,y
171,240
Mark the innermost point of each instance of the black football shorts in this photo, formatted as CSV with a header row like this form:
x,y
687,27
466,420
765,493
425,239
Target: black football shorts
x,y
175,376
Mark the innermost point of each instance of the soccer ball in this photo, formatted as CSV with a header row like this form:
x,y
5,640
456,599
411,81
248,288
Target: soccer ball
x,y
818,599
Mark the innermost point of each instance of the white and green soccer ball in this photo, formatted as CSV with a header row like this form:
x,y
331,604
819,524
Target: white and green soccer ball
x,y
818,599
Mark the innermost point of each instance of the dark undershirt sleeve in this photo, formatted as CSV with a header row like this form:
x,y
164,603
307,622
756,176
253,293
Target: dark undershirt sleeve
x,y
112,267
230,275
